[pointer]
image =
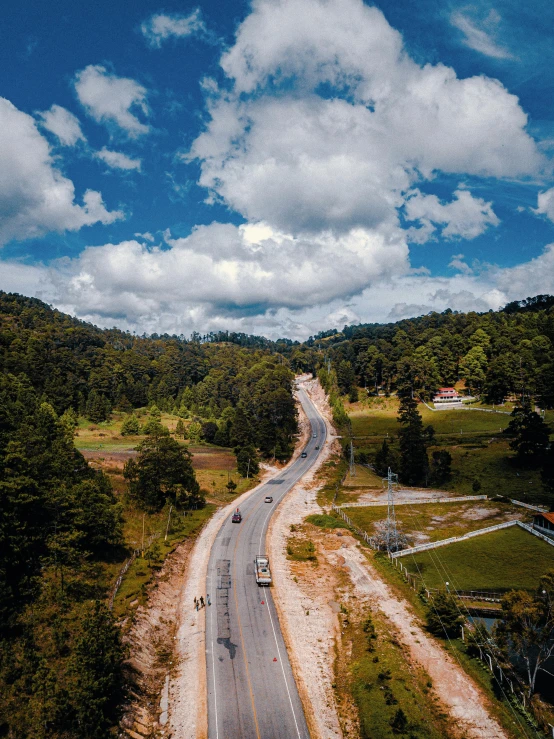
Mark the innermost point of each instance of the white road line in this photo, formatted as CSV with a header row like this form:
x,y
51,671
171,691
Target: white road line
x,y
213,652
283,669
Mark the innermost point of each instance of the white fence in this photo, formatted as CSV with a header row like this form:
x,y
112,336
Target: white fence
x,y
453,539
461,499
538,508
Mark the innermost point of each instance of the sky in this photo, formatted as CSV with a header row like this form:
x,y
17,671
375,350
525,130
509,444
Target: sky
x,y
278,167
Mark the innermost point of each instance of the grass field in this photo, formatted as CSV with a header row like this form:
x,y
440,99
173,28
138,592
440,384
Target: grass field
x,y
435,521
480,451
502,560
363,478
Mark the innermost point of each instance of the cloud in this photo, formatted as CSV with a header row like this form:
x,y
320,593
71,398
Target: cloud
x,y
327,123
35,197
465,217
479,39
161,27
63,124
118,160
111,99
546,204
229,270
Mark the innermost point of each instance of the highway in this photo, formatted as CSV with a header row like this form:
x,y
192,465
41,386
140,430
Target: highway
x,y
252,693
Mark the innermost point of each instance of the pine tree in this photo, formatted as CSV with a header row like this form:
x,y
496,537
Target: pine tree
x,y
414,463
530,434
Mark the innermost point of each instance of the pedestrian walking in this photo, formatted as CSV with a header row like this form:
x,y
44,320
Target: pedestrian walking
x,y
202,602
195,602
208,599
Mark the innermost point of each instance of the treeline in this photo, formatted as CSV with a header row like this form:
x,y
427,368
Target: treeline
x,y
497,354
60,651
77,366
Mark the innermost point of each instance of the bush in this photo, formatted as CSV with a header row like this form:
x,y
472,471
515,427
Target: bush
x,y
443,616
130,426
324,521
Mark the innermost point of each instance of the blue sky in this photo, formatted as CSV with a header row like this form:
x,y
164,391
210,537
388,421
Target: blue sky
x,y
276,167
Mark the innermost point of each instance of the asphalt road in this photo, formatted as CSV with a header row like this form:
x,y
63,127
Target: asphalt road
x,y
251,689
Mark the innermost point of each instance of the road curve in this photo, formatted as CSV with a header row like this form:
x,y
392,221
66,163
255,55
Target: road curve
x,y
252,693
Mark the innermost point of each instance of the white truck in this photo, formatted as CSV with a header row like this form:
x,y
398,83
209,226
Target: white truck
x,y
261,568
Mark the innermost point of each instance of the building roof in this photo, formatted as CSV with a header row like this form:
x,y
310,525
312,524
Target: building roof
x,y
447,390
548,516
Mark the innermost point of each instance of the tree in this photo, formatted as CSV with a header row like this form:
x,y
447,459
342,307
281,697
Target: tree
x,y
530,434
209,430
441,467
547,472
414,463
98,407
527,627
180,429
247,461
162,473
130,426
96,666
386,457
345,377
443,615
473,368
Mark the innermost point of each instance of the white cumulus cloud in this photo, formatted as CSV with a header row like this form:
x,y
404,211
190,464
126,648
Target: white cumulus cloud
x,y
162,26
306,162
35,197
111,99
464,217
63,124
118,160
545,205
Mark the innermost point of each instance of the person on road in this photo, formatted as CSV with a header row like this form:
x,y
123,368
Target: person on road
x,y
202,604
208,599
195,603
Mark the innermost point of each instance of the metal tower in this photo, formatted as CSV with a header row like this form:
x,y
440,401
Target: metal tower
x,y
393,539
352,464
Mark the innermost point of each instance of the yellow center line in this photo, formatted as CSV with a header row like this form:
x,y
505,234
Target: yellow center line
x,y
240,627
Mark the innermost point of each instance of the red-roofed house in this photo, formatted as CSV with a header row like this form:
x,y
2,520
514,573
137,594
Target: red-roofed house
x,y
544,523
447,395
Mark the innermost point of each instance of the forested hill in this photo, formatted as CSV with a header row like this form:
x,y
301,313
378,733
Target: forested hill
x,y
75,365
497,354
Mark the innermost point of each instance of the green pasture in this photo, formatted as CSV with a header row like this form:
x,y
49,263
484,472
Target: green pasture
x,y
436,521
377,420
502,560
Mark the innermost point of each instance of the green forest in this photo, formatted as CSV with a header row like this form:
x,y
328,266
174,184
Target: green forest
x,y
62,521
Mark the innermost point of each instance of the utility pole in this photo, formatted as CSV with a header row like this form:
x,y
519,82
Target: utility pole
x,y
352,464
394,541
168,520
143,515
248,469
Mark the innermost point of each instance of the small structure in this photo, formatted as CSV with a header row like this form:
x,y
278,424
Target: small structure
x,y
544,524
447,396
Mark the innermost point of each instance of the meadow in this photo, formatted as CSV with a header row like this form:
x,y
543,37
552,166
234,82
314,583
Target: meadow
x,y
481,456
502,560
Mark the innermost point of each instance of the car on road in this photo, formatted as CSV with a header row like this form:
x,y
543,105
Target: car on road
x,y
317,447
304,455
315,435
268,499
237,517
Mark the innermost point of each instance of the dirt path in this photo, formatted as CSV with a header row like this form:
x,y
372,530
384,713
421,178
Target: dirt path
x,y
463,700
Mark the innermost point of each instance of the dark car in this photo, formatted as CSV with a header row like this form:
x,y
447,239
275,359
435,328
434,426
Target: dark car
x,y
317,447
304,455
237,517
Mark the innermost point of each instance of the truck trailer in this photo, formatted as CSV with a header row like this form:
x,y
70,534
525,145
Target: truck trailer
x,y
261,568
